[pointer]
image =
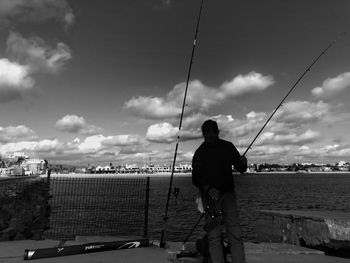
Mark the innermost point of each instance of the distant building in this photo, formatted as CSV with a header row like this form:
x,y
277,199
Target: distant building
x,y
100,169
183,168
104,169
163,169
34,166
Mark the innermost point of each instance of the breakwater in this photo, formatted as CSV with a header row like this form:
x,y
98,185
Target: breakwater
x,y
24,208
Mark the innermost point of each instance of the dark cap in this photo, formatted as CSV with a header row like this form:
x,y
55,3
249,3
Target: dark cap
x,y
210,125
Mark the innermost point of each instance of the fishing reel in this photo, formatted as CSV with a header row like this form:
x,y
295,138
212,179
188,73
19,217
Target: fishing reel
x,y
213,213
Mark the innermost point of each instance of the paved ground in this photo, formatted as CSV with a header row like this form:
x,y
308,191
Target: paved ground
x,y
13,252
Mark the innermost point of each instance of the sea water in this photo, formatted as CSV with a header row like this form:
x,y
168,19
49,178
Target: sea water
x,y
275,191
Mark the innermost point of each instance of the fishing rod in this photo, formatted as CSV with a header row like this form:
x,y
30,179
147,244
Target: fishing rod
x,y
295,84
192,230
165,217
85,248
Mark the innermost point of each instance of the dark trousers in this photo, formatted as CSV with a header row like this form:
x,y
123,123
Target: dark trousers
x,y
230,216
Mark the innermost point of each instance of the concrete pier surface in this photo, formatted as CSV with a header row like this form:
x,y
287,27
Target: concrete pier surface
x,y
13,252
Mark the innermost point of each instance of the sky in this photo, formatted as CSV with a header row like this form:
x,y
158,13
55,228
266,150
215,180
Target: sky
x,y
98,82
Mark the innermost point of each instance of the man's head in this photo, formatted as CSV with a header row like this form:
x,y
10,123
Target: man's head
x,y
210,131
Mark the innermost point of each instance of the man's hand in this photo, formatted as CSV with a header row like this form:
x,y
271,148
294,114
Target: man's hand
x,y
214,194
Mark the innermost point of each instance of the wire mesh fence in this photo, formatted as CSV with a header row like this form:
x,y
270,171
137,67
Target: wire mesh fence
x,y
98,206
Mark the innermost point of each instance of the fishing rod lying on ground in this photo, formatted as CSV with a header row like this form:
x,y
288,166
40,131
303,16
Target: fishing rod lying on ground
x,y
165,217
85,248
273,113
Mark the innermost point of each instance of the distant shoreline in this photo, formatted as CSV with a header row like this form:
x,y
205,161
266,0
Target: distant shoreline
x,y
126,175
288,172
134,175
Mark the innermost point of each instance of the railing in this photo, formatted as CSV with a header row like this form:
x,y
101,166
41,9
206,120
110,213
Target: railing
x,y
98,205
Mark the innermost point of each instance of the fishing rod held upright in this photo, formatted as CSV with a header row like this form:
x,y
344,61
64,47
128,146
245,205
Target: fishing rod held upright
x,y
295,84
165,217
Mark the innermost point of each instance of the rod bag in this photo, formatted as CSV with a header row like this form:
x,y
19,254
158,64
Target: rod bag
x,y
84,248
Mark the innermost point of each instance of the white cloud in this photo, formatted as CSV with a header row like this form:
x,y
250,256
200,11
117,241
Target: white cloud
x,y
76,124
37,147
292,138
337,153
98,144
191,129
162,132
290,153
256,116
35,53
92,149
26,57
47,145
309,136
15,79
296,113
270,154
14,75
71,123
194,121
152,107
244,84
271,150
167,133
285,128
199,96
37,10
241,128
325,153
332,86
92,144
123,140
16,133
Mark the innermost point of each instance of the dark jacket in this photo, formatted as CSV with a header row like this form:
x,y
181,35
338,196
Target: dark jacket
x,y
212,165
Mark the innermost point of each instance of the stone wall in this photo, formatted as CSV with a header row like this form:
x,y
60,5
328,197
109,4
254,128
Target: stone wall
x,y
24,208
325,230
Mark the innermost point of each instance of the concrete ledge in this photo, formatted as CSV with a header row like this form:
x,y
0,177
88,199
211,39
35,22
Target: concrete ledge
x,y
280,249
320,229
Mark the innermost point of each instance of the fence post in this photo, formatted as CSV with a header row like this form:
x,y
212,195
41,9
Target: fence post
x,y
48,177
145,229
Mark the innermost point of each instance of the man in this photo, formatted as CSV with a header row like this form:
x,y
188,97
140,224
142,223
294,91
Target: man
x,y
212,174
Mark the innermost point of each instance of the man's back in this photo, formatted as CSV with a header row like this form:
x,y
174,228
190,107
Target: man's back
x,y
212,165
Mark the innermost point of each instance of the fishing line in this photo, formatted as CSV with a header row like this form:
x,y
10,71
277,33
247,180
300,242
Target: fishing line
x,y
295,84
165,217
